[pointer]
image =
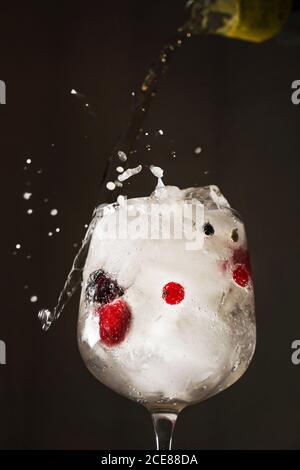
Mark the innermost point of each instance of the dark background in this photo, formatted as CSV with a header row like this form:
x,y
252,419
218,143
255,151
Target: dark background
x,y
231,98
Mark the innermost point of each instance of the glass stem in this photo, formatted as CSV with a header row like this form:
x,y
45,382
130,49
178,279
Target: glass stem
x,y
164,424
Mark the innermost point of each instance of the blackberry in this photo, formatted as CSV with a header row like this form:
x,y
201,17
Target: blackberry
x,y
101,288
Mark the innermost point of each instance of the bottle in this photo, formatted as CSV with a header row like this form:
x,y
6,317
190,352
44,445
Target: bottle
x,y
248,20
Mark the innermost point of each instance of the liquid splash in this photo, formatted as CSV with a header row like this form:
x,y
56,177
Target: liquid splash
x,y
46,316
147,92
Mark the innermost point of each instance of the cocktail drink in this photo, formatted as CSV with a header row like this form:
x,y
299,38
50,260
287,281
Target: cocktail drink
x,y
167,306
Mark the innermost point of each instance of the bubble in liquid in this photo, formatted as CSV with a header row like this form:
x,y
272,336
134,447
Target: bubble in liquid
x,y
236,366
33,298
57,230
73,92
161,132
28,161
148,147
50,234
198,150
18,246
27,195
119,169
29,211
54,212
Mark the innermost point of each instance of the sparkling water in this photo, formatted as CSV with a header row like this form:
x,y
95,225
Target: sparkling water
x,y
175,345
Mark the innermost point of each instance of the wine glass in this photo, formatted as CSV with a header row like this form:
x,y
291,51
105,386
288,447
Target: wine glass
x,y
166,312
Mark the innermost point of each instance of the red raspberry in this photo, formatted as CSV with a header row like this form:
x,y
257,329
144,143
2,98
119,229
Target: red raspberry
x,y
173,293
241,256
242,269
114,322
241,275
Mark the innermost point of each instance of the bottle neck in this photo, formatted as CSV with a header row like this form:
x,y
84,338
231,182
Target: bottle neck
x,y
254,21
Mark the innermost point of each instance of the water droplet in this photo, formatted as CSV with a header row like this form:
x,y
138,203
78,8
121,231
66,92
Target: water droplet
x,y
121,199
130,172
54,212
120,169
33,298
50,234
73,92
206,172
146,133
87,105
161,132
132,93
122,156
45,316
28,161
85,225
57,230
18,246
110,185
157,171
173,154
198,150
29,211
27,196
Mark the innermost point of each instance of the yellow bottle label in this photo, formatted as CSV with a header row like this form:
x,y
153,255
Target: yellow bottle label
x,y
250,20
